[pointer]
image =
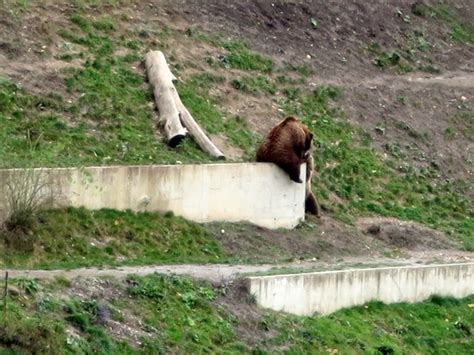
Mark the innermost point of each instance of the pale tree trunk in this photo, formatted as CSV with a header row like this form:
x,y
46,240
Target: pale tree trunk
x,y
161,80
172,110
196,132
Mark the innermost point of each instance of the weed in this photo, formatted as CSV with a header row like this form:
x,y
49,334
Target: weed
x,y
61,282
395,150
460,32
410,54
22,333
105,24
239,56
254,84
402,100
410,130
80,21
429,69
251,298
207,80
374,327
304,70
421,9
449,133
415,41
291,92
386,59
464,121
28,285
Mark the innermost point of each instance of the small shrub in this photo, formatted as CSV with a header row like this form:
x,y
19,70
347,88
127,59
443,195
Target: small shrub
x,y
27,192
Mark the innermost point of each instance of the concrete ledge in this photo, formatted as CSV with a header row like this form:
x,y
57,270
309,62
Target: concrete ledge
x,y
259,193
326,292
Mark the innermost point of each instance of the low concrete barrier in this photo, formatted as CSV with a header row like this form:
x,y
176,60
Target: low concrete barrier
x,y
259,193
326,292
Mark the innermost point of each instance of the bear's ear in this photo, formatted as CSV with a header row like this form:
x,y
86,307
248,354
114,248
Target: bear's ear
x,y
310,136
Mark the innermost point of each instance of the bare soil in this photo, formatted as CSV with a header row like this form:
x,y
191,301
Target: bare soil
x,y
404,234
105,290
327,239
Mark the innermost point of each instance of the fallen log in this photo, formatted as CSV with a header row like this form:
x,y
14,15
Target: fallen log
x,y
161,80
156,59
196,131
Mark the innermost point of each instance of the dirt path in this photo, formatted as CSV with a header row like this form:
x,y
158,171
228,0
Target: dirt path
x,y
220,272
460,80
457,79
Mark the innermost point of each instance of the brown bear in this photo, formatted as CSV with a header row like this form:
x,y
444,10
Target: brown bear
x,y
288,145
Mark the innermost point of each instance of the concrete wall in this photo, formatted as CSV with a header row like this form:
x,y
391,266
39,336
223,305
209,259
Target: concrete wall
x,y
255,192
326,292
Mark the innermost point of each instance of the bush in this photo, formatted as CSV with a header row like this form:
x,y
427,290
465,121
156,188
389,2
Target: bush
x,y
26,193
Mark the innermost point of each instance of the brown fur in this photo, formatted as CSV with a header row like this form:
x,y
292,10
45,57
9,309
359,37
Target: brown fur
x,y
311,204
287,145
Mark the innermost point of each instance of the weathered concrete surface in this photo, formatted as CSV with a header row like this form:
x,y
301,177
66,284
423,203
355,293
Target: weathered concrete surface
x,y
326,292
259,193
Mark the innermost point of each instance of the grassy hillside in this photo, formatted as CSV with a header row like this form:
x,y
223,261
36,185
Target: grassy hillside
x,y
385,87
101,111
170,314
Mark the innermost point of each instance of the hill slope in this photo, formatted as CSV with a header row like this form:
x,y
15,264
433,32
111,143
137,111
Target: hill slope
x,y
388,90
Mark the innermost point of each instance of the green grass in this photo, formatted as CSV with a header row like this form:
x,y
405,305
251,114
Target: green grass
x,y
461,32
304,70
384,58
240,57
43,328
254,85
79,237
237,55
179,315
182,312
108,115
204,108
435,326
410,52
109,120
348,167
464,121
